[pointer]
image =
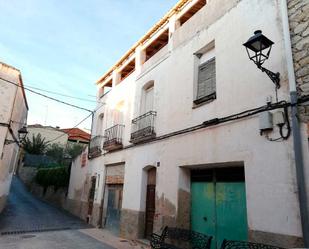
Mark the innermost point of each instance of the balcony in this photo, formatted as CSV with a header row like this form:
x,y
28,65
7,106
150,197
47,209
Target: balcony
x,y
95,146
113,138
143,127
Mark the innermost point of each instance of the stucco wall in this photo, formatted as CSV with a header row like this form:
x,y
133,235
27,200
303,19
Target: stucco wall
x,y
49,133
271,192
13,112
79,186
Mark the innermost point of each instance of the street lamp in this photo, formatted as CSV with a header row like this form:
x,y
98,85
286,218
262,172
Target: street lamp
x,y
22,133
258,48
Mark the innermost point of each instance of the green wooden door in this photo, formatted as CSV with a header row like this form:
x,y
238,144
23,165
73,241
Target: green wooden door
x,y
218,208
231,212
203,207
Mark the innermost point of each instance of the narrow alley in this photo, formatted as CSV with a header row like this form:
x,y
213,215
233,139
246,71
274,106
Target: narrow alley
x,y
34,224
25,213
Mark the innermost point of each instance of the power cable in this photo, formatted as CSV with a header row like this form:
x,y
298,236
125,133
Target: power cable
x,y
69,130
45,96
217,121
60,94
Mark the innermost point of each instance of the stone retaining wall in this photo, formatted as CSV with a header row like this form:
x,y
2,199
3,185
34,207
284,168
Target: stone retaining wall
x,y
27,175
298,11
56,198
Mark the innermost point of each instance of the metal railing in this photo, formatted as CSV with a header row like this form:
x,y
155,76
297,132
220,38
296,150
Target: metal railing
x,y
113,137
143,127
95,146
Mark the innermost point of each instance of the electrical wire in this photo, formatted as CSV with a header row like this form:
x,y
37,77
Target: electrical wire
x,y
216,121
80,122
303,99
61,94
45,96
287,123
84,119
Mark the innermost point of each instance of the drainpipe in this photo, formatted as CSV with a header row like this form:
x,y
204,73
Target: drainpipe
x,y
297,142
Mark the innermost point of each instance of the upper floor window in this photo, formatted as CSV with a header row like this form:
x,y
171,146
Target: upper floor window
x,y
106,88
127,70
192,11
147,98
99,128
118,113
206,77
157,44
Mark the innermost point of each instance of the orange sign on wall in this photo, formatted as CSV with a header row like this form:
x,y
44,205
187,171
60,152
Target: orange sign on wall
x,y
84,160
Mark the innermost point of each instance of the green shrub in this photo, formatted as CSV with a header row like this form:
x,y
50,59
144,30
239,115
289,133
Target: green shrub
x,y
57,177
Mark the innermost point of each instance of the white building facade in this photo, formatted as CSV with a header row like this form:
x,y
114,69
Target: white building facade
x,y
13,116
48,133
167,147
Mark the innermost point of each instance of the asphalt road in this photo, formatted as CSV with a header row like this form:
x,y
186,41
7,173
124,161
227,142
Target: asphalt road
x,y
28,222
67,239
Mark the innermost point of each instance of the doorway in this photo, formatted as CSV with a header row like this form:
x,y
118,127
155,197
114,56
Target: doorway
x,y
150,202
91,196
218,204
114,204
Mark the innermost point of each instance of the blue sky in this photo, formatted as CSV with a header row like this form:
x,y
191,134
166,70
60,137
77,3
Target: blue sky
x,y
65,46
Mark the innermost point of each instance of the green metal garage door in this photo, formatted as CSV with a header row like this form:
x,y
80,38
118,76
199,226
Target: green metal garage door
x,y
218,204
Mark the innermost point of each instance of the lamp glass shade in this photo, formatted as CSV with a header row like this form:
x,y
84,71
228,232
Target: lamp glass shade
x,y
22,130
258,42
22,133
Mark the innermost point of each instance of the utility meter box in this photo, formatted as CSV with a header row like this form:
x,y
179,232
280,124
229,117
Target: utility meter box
x,y
266,121
279,118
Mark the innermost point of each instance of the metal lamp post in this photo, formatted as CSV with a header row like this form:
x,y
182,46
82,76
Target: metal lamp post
x,y
258,48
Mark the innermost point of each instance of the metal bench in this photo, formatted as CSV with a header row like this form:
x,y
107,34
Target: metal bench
x,y
233,244
173,238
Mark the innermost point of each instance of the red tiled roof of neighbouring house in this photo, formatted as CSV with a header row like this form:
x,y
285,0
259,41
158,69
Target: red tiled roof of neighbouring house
x,y
77,134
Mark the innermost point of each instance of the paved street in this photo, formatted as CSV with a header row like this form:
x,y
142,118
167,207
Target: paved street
x,y
24,212
28,223
67,239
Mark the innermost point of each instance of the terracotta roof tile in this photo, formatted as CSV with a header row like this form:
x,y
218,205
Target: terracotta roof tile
x,y
77,134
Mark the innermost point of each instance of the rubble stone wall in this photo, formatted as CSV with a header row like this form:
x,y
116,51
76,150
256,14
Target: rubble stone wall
x,y
298,11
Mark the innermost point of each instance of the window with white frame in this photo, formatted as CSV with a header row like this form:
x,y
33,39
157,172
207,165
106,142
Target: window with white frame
x,y
205,89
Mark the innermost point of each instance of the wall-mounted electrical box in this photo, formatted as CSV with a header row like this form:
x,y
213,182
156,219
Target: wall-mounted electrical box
x,y
278,118
266,121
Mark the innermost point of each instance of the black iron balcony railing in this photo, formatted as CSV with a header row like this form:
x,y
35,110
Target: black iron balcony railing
x,y
113,138
143,127
95,146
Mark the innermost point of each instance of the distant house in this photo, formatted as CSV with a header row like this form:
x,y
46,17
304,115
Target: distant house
x,y
77,135
13,116
51,134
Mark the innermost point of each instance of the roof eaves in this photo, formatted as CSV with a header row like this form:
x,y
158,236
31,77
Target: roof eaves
x,y
148,35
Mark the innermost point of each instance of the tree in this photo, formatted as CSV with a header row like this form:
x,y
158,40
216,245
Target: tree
x,y
56,152
73,150
37,145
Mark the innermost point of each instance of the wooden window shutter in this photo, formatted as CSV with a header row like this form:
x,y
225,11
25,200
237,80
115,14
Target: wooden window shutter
x,y
206,84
